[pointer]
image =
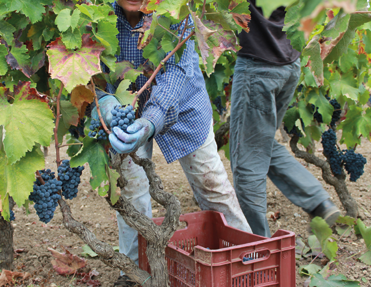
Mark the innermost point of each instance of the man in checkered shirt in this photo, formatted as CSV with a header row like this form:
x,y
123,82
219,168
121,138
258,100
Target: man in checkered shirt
x,y
178,114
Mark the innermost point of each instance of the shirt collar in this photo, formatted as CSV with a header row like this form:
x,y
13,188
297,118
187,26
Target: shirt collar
x,y
121,17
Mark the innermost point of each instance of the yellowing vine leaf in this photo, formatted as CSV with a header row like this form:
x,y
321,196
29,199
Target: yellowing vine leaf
x,y
81,97
26,122
74,68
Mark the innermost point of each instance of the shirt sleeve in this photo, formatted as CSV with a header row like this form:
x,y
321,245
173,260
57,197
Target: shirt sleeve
x,y
162,108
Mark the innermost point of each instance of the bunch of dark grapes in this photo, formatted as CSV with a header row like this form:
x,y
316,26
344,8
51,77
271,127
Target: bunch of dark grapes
x,y
337,112
219,106
294,131
78,131
317,116
331,151
95,130
354,164
70,177
122,117
45,196
12,216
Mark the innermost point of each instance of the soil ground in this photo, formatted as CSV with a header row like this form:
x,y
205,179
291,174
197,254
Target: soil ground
x,y
92,210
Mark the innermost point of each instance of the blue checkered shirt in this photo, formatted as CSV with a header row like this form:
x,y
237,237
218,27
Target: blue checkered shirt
x,y
178,105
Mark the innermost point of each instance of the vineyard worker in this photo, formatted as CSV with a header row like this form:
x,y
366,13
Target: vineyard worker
x,y
178,115
265,77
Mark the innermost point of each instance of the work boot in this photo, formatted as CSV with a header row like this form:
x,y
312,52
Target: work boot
x,y
124,281
328,211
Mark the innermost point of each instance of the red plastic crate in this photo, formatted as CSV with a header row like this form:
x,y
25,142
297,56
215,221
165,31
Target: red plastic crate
x,y
210,253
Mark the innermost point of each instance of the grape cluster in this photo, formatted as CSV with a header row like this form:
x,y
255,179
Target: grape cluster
x,y
12,217
70,177
78,131
331,151
46,196
354,164
337,112
317,116
122,117
219,106
95,130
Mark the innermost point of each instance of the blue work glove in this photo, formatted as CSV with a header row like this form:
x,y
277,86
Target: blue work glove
x,y
106,104
137,134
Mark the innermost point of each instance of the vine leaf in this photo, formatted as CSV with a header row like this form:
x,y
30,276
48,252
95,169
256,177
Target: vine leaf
x,y
366,234
115,191
356,123
81,97
333,281
268,6
241,14
309,269
69,114
66,263
106,34
65,20
19,187
324,107
3,64
125,70
74,68
18,57
26,121
8,278
93,153
323,232
122,94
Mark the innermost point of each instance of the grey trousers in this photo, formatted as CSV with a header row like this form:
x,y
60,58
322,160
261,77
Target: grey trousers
x,y
261,93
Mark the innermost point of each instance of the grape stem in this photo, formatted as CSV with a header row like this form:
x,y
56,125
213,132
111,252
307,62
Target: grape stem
x,y
39,177
159,67
98,108
58,157
203,9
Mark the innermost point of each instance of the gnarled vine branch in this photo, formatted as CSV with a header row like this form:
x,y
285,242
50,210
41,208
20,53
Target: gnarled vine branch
x,y
338,181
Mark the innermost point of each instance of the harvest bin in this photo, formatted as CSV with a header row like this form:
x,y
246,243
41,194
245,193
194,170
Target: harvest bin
x,y
210,253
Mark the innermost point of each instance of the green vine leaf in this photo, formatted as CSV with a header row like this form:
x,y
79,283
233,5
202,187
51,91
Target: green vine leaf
x,y
93,153
19,187
65,20
122,94
3,63
106,35
323,232
333,281
74,68
26,122
268,6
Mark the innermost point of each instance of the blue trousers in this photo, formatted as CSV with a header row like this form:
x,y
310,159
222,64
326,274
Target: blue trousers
x,y
261,93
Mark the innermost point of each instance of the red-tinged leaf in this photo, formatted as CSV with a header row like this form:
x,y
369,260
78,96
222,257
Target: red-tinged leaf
x,y
221,40
24,91
240,13
87,278
9,278
66,263
145,38
144,7
81,97
75,67
202,34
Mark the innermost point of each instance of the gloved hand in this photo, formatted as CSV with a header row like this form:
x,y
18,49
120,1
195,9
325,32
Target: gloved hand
x,y
106,104
137,134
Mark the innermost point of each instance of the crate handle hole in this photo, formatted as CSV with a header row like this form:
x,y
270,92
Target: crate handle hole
x,y
182,225
255,256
